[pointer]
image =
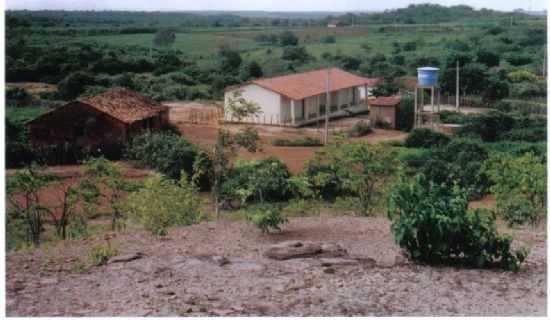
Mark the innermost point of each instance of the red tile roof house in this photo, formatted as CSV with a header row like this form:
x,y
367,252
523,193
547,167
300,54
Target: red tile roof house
x,y
300,98
108,119
382,109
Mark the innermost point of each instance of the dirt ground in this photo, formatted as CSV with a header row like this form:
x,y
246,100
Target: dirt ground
x,y
202,130
179,275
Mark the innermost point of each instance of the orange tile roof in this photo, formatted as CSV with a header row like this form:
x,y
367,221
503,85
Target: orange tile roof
x,y
306,84
125,105
384,101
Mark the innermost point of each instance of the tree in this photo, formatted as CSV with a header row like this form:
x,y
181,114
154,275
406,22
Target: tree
x,y
230,59
164,37
296,54
72,195
162,203
489,57
361,168
26,208
227,143
288,38
251,70
107,176
74,84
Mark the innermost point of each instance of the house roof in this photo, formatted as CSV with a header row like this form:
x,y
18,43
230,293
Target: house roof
x,y
385,101
298,86
125,105
122,104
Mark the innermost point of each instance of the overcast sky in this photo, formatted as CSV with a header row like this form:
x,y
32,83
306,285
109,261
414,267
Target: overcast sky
x,y
264,5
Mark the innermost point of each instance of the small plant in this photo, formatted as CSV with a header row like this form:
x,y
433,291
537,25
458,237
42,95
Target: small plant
x,y
426,138
266,217
359,129
299,142
100,254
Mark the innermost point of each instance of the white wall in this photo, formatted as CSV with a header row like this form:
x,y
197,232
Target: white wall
x,y
269,102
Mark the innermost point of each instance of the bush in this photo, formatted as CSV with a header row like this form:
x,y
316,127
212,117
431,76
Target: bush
x,y
266,217
262,180
519,185
426,138
404,114
433,224
100,254
452,117
414,157
359,129
299,142
534,134
459,162
163,203
488,126
328,39
167,153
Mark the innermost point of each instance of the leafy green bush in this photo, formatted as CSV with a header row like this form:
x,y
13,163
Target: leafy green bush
x,y
404,114
359,129
433,224
533,134
266,217
299,142
426,138
163,203
100,254
452,117
262,180
489,126
414,157
351,169
167,153
461,162
519,185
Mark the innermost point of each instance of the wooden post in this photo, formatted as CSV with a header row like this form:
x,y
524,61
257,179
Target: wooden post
x,y
415,107
457,84
327,108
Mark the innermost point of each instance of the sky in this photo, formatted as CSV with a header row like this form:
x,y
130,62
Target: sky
x,y
262,5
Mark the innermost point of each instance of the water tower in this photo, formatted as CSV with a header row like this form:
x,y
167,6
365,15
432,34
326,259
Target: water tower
x,y
427,81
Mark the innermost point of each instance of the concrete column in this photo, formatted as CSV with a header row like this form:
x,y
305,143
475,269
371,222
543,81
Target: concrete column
x,y
293,111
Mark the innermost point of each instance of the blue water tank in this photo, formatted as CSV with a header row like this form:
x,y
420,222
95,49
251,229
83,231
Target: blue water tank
x,y
427,76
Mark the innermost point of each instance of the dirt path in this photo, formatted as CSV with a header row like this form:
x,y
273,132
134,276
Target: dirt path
x,y
178,276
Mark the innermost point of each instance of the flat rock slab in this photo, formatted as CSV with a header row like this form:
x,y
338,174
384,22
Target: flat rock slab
x,y
298,249
126,257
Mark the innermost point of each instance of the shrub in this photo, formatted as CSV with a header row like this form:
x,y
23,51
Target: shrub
x,y
488,126
328,39
459,162
266,217
359,129
100,254
519,185
414,157
167,153
262,180
522,75
433,224
299,142
163,203
404,114
426,138
452,117
356,168
534,134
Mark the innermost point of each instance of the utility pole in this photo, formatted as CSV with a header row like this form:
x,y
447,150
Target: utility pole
x,y
327,107
457,84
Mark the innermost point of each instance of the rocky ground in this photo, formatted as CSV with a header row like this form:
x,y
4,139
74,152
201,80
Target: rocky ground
x,y
221,269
